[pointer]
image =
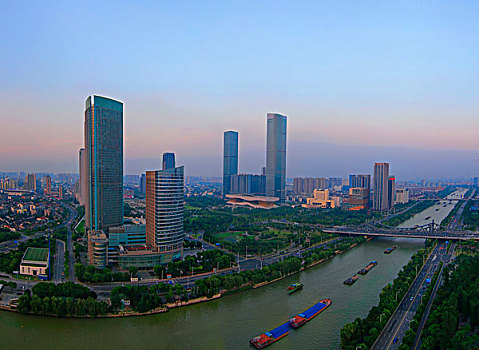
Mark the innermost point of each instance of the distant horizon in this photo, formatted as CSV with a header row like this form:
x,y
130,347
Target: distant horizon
x,y
359,83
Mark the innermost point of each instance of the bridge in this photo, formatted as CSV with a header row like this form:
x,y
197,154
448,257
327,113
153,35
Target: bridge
x,y
432,231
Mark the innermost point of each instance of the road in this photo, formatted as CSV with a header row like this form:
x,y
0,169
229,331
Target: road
x,y
71,218
58,261
398,324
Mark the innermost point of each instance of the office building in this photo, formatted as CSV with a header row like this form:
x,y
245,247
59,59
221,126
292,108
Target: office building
x,y
230,159
276,156
322,199
391,191
380,189
104,163
306,186
164,212
248,184
82,164
359,198
168,160
476,181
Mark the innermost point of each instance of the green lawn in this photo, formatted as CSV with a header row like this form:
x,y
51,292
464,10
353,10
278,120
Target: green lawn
x,y
36,254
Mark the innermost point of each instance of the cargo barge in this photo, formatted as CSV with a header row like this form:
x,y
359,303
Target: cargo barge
x,y
267,338
367,268
390,250
300,319
294,287
351,280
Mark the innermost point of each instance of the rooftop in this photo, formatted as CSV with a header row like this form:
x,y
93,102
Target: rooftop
x,y
36,254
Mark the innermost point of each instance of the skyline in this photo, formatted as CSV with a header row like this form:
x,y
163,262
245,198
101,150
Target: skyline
x,y
385,80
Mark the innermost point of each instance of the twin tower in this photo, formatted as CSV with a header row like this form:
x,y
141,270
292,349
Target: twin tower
x,y
275,159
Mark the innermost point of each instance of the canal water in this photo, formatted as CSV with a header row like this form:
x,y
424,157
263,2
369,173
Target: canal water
x,y
229,322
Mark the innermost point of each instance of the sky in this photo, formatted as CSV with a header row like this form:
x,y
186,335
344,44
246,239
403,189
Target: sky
x,y
359,81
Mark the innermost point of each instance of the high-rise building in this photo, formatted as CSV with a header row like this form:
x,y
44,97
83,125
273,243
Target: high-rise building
x,y
47,185
476,181
143,184
248,184
104,158
30,182
276,156
363,181
82,164
402,195
380,189
164,211
168,160
230,159
391,191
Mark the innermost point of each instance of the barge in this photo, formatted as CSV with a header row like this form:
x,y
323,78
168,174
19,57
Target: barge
x,y
294,287
306,316
267,338
367,268
390,250
351,280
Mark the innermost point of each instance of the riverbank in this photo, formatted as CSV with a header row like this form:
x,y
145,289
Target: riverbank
x,y
180,303
245,314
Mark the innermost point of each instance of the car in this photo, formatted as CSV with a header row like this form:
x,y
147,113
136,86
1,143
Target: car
x,y
395,340
412,298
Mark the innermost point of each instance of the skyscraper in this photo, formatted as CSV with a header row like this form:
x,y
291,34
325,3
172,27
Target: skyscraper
x,y
381,177
82,165
230,159
164,211
391,191
168,160
104,163
276,156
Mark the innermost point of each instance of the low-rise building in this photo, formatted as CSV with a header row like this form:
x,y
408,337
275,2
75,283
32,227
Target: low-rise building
x,y
35,261
244,200
321,199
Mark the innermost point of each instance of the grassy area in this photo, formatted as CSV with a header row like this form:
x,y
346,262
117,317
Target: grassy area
x,y
36,254
81,228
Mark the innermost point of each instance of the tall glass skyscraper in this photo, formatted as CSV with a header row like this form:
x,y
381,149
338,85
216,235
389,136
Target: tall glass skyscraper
x,y
165,195
230,159
276,156
104,163
168,160
380,189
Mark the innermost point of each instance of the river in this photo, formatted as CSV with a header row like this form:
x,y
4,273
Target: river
x,y
436,212
229,322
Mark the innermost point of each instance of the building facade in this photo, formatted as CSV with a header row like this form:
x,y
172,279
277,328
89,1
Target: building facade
x,y
83,182
104,163
391,191
165,211
248,184
380,196
230,159
276,156
402,195
359,198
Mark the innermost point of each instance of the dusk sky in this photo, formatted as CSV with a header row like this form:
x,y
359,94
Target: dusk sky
x,y
359,81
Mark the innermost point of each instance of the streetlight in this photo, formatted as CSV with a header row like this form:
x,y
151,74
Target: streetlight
x,y
397,295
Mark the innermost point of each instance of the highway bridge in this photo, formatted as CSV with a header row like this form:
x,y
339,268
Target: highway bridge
x,y
431,230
